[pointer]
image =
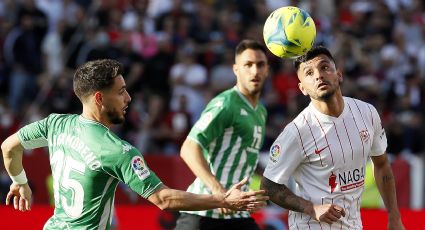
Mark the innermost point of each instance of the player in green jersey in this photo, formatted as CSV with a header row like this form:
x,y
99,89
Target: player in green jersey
x,y
224,144
88,160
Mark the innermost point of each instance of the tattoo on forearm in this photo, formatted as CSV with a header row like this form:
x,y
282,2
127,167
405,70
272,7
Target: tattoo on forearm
x,y
282,196
387,178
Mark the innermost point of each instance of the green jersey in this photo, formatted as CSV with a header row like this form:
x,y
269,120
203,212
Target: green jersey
x,y
230,132
87,161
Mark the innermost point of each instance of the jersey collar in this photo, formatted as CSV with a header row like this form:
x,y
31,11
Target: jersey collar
x,y
244,98
88,121
326,118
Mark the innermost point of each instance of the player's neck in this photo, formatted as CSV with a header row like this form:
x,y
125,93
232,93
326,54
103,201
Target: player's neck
x,y
334,106
251,98
94,116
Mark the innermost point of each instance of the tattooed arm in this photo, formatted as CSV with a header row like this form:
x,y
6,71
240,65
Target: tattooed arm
x,y
285,198
385,181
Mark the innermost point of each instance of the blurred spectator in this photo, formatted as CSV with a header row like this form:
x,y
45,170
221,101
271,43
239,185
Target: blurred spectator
x,y
188,78
158,68
53,51
222,76
23,54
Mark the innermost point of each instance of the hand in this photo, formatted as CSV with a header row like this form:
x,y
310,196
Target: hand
x,y
244,201
21,194
221,190
328,213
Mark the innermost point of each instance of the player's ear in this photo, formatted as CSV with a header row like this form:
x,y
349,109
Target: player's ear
x,y
339,74
300,86
235,69
98,98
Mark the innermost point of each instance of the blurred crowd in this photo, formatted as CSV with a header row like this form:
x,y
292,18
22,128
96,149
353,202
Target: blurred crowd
x,y
178,54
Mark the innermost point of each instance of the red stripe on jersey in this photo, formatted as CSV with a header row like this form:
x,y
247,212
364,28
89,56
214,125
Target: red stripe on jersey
x,y
349,140
358,130
315,143
326,138
302,143
345,208
340,144
349,210
361,114
368,106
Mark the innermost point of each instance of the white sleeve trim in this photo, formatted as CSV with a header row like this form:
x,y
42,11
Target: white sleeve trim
x,y
34,143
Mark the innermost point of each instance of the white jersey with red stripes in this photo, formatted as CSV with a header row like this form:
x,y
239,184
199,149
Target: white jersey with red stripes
x,y
327,158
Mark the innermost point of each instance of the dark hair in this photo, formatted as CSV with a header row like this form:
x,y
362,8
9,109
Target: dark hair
x,y
249,44
95,76
314,52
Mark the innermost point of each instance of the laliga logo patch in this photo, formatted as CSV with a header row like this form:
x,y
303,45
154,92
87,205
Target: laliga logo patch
x,y
274,152
138,166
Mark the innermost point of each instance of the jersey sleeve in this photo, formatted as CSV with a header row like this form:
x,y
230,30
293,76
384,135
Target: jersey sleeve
x,y
129,167
214,119
34,135
379,144
285,156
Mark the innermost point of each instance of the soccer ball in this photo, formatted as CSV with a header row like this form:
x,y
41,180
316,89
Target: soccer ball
x,y
289,32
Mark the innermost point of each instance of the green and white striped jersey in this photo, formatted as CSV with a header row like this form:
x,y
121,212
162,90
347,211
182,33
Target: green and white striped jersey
x,y
231,132
87,162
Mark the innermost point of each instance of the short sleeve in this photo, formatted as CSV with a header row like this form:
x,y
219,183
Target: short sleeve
x,y
285,156
212,123
130,168
34,135
379,145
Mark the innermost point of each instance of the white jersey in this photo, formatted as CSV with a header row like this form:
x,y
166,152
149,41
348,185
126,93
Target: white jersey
x,y
327,158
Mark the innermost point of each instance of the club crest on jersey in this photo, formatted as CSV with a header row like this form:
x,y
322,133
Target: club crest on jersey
x,y
275,152
364,135
139,167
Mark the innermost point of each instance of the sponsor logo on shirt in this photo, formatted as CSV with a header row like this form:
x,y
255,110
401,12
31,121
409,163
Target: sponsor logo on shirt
x,y
351,179
275,152
332,181
364,135
139,167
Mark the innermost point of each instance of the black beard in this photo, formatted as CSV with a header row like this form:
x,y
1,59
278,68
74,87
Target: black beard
x,y
114,118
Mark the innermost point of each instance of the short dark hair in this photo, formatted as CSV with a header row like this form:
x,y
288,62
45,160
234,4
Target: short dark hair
x,y
249,44
314,52
96,76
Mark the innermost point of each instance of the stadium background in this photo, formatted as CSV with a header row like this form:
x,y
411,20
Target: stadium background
x,y
179,53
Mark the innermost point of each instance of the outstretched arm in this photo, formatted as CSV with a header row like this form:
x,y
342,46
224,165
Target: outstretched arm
x,y
12,158
285,198
171,199
191,153
385,181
